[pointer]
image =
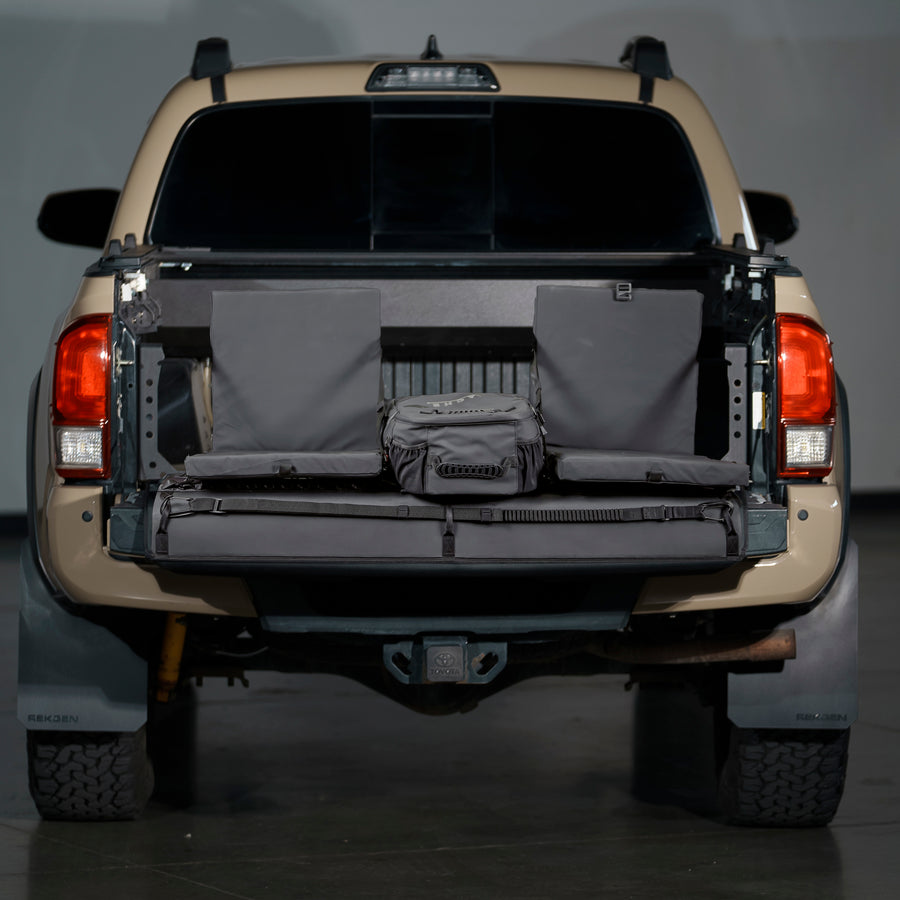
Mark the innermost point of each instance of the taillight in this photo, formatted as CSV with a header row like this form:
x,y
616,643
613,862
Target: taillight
x,y
806,390
81,398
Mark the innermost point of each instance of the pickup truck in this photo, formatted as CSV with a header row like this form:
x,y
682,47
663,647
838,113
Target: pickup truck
x,y
438,374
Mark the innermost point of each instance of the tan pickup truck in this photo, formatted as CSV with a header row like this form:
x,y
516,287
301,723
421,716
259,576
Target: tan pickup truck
x,y
439,374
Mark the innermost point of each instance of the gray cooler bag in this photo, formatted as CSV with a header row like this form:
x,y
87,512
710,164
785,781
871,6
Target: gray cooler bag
x,y
464,444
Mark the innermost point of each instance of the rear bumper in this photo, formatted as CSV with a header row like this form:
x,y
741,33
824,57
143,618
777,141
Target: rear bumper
x,y
74,556
815,536
76,561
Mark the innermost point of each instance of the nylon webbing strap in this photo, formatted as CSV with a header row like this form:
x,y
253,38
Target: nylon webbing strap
x,y
284,506
185,506
174,506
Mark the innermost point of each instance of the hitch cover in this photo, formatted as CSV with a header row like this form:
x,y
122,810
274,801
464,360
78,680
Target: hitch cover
x,y
445,660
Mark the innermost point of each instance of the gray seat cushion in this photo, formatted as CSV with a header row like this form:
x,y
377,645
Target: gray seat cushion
x,y
649,468
340,464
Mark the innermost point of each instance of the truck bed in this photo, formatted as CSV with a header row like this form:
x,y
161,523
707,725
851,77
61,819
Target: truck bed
x,y
655,475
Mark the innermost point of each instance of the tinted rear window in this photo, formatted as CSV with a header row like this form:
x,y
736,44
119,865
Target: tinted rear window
x,y
496,174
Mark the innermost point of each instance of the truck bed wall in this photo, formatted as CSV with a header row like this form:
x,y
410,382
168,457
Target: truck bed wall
x,y
439,335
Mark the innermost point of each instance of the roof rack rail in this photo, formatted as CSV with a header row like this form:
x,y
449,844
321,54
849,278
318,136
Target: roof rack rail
x,y
212,59
647,57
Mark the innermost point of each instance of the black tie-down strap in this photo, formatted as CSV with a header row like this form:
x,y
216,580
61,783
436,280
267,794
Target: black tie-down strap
x,y
177,504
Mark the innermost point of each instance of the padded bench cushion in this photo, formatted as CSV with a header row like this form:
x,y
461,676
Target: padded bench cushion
x,y
201,523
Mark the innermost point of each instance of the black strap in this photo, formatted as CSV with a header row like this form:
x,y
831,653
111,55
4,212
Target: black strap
x,y
448,538
289,506
175,506
217,85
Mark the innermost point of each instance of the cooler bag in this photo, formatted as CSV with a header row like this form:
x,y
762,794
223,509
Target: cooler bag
x,y
464,444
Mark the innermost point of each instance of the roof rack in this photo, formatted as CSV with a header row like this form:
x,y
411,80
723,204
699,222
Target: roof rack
x,y
647,57
212,59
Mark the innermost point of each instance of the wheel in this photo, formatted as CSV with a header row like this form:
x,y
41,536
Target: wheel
x,y
89,776
783,778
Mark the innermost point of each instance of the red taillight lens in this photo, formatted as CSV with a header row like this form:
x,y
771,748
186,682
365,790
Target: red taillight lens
x,y
806,397
81,400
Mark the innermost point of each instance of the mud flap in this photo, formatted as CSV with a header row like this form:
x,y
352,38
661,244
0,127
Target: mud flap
x,y
74,675
818,689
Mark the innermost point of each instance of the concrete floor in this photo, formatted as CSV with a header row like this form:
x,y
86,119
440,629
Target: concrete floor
x,y
310,786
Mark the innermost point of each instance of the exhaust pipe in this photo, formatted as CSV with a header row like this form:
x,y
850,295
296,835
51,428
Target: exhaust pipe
x,y
775,647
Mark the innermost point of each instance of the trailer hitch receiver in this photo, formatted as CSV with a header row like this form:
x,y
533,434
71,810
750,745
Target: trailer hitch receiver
x,y
445,660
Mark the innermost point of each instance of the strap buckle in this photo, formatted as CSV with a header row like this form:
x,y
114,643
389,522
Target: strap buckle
x,y
713,511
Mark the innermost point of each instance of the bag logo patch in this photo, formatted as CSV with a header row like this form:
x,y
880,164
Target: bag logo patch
x,y
440,403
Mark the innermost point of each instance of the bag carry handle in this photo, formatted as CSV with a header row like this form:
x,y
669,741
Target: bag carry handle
x,y
470,470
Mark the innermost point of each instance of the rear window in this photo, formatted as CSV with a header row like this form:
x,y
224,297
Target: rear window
x,y
396,174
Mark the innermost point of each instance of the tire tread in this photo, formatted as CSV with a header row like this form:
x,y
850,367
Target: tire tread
x,y
89,776
783,778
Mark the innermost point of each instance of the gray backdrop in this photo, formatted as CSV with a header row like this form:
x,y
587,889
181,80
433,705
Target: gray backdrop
x,y
805,93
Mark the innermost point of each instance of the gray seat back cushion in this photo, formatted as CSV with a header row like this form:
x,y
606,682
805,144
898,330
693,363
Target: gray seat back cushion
x,y
296,370
618,375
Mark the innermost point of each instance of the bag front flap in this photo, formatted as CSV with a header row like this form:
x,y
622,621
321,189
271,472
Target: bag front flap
x,y
465,408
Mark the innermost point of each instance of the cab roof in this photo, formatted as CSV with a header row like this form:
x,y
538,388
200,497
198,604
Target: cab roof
x,y
643,78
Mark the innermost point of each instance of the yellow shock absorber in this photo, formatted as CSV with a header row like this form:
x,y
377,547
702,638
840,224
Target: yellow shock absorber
x,y
169,673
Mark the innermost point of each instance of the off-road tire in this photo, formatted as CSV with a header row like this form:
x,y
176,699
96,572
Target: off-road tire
x,y
89,776
790,779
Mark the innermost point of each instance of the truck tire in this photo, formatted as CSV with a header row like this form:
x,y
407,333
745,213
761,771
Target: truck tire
x,y
89,776
790,779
